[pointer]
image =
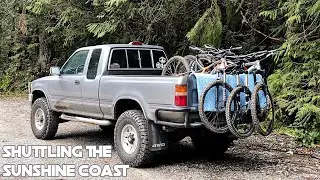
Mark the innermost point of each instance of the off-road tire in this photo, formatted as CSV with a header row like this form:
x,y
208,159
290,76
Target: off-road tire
x,y
51,121
202,114
230,123
142,155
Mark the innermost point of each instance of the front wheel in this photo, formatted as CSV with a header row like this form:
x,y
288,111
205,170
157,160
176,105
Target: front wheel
x,y
131,139
262,109
238,115
212,106
44,121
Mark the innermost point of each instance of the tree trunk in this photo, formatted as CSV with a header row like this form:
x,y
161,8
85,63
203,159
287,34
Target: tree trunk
x,y
44,53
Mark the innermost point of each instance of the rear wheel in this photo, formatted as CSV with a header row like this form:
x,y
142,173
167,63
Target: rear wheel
x,y
192,63
131,139
175,65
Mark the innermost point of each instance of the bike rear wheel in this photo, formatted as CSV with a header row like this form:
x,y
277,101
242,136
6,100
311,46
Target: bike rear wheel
x,y
191,59
202,61
238,115
175,65
214,118
262,109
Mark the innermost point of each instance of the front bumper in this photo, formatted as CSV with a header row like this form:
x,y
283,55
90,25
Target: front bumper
x,y
183,118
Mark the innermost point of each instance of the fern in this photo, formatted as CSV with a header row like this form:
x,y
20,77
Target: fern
x,y
100,29
115,3
296,84
208,29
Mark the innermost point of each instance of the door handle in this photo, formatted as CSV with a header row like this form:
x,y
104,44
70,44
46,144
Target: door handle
x,y
76,82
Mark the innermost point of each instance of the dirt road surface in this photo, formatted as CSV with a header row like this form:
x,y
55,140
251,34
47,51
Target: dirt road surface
x,y
274,157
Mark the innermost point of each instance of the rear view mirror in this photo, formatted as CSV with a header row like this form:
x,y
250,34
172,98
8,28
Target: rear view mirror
x,y
55,71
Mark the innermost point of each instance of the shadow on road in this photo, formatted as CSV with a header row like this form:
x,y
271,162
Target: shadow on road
x,y
183,153
180,153
89,137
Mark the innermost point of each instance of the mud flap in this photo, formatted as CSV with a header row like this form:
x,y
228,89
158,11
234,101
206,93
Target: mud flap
x,y
158,137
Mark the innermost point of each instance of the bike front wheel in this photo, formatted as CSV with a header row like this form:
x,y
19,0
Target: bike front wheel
x,y
262,109
212,106
238,115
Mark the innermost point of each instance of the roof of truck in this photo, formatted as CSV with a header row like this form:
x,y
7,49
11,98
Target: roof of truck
x,y
125,46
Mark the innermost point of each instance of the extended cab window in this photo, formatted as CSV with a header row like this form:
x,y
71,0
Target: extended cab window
x,y
93,64
76,63
146,60
118,59
137,58
133,58
159,58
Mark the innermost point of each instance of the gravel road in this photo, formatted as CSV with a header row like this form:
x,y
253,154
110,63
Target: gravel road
x,y
274,157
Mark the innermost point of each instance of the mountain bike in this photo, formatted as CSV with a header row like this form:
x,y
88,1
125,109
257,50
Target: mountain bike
x,y
214,119
240,103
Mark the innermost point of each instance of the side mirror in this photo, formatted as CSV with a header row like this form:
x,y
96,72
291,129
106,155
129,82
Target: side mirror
x,y
55,71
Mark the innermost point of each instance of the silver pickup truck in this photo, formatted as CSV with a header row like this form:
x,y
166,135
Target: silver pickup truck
x,y
120,88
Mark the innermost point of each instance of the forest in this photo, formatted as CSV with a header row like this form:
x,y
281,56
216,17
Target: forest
x,y
37,34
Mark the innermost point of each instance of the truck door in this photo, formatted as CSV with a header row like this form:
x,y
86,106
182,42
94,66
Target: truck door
x,y
90,86
66,89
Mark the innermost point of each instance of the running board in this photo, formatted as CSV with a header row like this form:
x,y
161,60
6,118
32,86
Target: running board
x,y
86,120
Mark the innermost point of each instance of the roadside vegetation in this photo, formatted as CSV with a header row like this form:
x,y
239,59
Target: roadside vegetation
x,y
36,34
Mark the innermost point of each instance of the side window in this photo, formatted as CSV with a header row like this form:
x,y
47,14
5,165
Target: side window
x,y
93,64
118,59
146,61
159,58
133,58
76,63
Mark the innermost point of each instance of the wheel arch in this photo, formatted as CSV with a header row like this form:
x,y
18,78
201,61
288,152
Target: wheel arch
x,y
37,93
123,104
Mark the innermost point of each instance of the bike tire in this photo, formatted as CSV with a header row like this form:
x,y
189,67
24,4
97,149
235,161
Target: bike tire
x,y
207,123
191,59
232,116
175,65
202,62
257,118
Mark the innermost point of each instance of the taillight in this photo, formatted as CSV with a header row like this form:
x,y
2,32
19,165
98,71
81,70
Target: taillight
x,y
180,98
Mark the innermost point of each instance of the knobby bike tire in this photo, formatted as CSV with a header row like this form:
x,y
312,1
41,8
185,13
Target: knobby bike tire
x,y
230,115
179,60
256,118
202,114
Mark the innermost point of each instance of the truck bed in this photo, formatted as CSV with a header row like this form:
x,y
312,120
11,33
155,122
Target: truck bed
x,y
151,92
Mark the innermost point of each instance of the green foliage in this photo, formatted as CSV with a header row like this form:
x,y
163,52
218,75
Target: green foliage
x,y
208,28
101,29
296,84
